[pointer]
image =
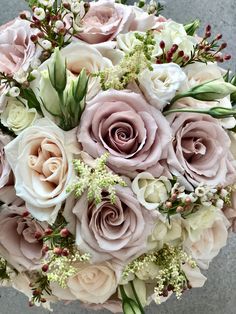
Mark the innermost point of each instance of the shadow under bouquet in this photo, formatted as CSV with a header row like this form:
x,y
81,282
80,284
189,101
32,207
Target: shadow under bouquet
x,y
117,154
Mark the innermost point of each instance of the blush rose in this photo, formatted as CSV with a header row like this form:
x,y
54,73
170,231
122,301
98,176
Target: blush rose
x,y
41,160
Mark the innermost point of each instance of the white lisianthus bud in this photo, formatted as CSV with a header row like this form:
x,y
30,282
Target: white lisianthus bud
x,y
46,44
140,288
209,91
151,192
57,71
18,116
48,95
39,13
14,91
212,90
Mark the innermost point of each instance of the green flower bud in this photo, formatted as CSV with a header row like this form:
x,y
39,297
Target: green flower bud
x,y
80,86
131,307
209,91
192,27
49,96
57,71
212,90
233,96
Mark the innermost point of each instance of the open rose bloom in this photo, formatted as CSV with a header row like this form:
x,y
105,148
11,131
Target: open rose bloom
x,y
117,154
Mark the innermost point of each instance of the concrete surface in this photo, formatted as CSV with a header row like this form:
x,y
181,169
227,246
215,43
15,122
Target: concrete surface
x,y
219,294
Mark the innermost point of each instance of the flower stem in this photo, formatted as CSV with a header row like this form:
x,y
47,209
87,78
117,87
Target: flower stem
x,y
137,298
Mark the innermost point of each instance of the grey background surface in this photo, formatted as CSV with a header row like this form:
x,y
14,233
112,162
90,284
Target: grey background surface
x,y
219,293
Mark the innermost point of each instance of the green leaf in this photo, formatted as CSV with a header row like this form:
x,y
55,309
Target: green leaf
x,y
32,100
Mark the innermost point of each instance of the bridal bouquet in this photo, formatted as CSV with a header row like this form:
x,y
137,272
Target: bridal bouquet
x,y
117,154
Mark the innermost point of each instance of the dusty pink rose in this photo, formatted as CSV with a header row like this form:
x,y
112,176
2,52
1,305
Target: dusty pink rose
x,y
122,123
16,48
200,151
5,169
17,239
105,19
112,231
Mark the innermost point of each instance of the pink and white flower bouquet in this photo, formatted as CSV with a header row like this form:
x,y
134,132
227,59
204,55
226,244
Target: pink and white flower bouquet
x,y
117,154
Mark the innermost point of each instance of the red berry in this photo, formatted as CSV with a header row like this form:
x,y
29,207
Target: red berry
x,y
48,231
57,251
64,232
223,46
45,268
181,53
208,28
65,252
162,45
38,235
227,57
219,36
25,214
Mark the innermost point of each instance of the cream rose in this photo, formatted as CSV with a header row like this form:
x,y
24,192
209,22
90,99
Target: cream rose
x,y
41,159
151,192
207,233
160,85
93,283
17,116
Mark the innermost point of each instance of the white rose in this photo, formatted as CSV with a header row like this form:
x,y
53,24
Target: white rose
x,y
151,192
198,73
160,85
207,233
41,160
17,116
174,33
92,284
166,232
128,41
